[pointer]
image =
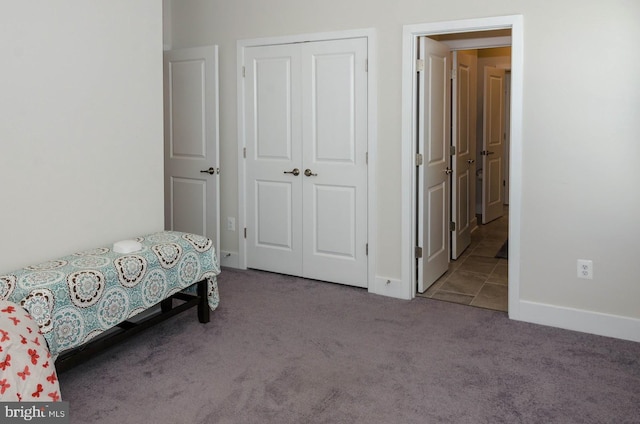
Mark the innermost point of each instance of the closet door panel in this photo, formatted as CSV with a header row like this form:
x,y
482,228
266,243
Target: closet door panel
x,y
334,84
274,192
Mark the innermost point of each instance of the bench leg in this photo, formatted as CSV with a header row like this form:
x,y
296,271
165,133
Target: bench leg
x,y
203,304
166,305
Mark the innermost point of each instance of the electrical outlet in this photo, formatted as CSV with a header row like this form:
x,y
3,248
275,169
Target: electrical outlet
x,y
585,269
231,223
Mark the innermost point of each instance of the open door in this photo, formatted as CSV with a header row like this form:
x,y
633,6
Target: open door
x,y
464,141
492,144
192,187
434,141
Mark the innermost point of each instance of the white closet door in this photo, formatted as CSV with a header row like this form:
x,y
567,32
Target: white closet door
x,y
334,92
306,131
273,134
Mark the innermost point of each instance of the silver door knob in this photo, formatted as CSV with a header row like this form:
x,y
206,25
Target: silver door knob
x,y
210,171
448,171
295,172
308,173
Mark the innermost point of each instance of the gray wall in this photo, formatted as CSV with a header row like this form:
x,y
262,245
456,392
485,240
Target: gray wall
x,y
81,134
580,144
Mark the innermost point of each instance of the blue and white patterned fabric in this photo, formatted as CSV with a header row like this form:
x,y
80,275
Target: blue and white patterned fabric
x,y
75,298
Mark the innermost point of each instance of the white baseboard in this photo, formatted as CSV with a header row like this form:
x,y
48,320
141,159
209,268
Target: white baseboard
x,y
615,326
229,259
389,287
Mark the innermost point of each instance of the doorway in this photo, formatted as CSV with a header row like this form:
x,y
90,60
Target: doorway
x,y
477,274
472,30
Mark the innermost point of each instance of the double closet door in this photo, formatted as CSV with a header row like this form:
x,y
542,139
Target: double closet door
x,y
306,159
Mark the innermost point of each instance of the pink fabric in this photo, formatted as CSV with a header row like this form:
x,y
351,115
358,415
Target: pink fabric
x,y
27,372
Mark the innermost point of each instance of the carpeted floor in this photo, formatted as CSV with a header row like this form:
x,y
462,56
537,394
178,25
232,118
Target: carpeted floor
x,y
287,350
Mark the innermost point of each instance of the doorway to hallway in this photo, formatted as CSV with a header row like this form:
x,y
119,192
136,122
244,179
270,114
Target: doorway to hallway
x,y
472,27
478,277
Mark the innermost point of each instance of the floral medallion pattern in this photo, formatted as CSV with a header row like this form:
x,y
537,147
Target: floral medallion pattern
x,y
40,303
168,254
114,307
69,329
200,243
7,286
90,262
85,287
154,287
131,269
40,278
189,268
161,238
47,265
93,252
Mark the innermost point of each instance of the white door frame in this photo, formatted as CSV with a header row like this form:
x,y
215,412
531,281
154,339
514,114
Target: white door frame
x,y
372,113
409,36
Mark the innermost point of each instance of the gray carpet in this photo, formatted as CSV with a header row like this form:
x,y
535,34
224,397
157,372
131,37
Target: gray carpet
x,y
287,350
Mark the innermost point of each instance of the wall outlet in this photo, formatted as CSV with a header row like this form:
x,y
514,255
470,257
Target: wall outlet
x,y
231,223
585,269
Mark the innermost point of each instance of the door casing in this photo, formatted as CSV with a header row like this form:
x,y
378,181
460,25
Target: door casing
x,y
410,36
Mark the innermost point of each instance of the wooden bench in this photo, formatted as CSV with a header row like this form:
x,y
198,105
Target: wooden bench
x,y
90,300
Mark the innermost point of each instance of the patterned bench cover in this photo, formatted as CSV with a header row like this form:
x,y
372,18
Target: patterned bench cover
x,y
77,297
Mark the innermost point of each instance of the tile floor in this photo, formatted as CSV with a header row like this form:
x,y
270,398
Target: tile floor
x,y
477,278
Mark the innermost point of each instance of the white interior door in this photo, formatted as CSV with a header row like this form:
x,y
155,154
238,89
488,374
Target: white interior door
x,y
306,172
192,188
273,158
492,144
463,137
334,93
434,142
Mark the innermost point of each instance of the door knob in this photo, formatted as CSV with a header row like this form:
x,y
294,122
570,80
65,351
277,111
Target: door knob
x,y
486,153
470,161
211,170
295,172
308,173
448,171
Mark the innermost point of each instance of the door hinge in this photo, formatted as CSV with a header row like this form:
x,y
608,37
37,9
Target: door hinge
x,y
244,152
366,158
418,159
418,252
366,249
419,65
452,226
452,150
245,232
366,65
244,72
454,74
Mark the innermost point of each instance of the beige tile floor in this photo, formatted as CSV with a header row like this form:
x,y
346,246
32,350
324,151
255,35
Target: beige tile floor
x,y
477,278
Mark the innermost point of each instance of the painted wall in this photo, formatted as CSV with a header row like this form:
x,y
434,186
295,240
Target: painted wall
x,y
81,134
580,124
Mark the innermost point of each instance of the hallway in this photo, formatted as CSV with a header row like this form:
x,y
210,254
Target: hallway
x,y
478,278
